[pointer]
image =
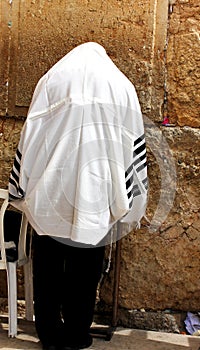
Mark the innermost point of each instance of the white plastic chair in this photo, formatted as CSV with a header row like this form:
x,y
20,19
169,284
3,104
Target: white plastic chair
x,y
11,268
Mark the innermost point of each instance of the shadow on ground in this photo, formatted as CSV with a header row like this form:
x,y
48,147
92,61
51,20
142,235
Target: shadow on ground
x,y
123,339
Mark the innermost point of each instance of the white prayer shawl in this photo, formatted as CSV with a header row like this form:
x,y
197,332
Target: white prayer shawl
x,y
80,165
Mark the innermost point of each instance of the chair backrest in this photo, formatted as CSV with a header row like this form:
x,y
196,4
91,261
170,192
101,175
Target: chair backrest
x,y
4,205
21,232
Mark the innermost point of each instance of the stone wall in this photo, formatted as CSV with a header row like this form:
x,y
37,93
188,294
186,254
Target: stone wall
x,y
156,45
183,63
159,269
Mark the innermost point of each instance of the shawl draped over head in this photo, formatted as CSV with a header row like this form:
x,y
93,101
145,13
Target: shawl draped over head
x,y
80,165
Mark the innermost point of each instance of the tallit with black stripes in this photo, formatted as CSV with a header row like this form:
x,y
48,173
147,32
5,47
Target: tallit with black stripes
x,y
81,162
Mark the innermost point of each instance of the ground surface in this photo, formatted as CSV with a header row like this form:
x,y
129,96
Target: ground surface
x,y
123,339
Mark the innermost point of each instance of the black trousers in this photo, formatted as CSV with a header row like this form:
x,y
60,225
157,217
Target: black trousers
x,y
65,280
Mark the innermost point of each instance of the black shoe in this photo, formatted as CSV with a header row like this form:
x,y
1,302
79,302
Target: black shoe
x,y
50,347
84,345
87,344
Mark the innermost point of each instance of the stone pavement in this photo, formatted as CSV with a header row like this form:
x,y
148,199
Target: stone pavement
x,y
123,339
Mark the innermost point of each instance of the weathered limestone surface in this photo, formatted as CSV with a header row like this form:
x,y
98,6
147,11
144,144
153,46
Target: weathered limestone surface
x,y
183,64
159,52
10,129
4,49
160,269
41,32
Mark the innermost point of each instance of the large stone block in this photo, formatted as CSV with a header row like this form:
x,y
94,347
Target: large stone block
x,y
183,68
160,269
4,50
43,32
9,138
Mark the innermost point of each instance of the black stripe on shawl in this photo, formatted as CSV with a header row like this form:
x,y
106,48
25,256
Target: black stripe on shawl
x,y
141,167
12,182
18,188
127,172
16,177
12,198
130,193
139,140
19,155
130,204
138,160
134,192
140,149
129,182
17,165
